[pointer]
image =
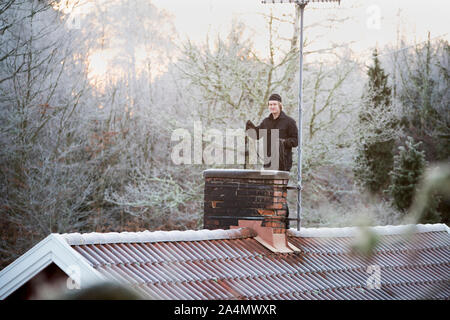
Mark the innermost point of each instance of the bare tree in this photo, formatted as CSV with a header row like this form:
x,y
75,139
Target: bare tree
x,y
42,190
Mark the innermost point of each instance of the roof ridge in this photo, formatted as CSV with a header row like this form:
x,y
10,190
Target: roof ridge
x,y
156,236
238,233
341,232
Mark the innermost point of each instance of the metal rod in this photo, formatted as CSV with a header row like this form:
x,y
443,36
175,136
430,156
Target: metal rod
x,y
246,153
300,97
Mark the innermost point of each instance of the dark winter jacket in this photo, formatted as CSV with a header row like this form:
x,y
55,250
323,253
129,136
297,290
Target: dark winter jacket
x,y
287,134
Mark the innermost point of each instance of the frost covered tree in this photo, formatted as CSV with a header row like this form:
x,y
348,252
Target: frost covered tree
x,y
406,177
229,80
377,130
75,129
424,74
409,165
137,107
422,96
331,100
44,188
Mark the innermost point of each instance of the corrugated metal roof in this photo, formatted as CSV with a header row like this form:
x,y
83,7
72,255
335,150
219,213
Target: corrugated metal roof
x,y
234,265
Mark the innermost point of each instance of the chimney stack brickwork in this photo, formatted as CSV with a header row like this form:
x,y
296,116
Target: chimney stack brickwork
x,y
233,195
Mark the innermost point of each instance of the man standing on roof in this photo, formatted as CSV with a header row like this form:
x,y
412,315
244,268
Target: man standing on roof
x,y
284,131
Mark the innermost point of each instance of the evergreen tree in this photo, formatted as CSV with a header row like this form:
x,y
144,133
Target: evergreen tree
x,y
423,92
379,93
409,166
374,157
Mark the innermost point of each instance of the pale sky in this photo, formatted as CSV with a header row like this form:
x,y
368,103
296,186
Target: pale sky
x,y
372,22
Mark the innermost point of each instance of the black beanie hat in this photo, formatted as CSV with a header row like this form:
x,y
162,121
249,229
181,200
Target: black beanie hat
x,y
275,97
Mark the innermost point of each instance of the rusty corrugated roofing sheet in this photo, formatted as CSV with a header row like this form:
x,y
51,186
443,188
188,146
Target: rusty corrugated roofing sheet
x,y
233,265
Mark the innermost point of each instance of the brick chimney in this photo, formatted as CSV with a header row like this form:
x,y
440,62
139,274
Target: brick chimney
x,y
248,198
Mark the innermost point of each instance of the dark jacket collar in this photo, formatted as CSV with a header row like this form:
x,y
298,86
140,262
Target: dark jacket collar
x,y
282,115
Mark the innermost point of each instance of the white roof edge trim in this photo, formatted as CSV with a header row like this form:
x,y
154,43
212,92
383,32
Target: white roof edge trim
x,y
51,249
151,236
24,268
75,265
355,231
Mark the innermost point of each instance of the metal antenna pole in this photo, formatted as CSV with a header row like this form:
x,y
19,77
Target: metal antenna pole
x,y
302,4
300,97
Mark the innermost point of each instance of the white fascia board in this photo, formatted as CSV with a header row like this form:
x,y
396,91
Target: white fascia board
x,y
71,262
25,267
51,249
